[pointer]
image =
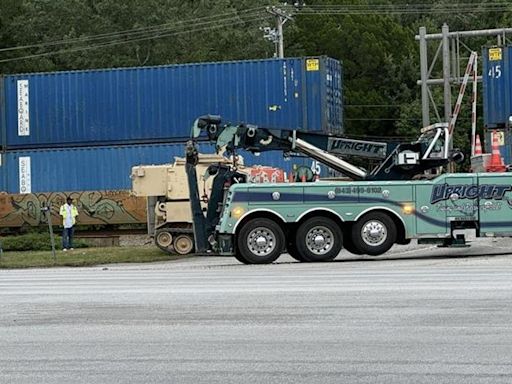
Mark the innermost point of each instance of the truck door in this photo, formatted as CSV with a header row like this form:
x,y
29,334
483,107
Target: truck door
x,y
446,199
495,208
461,196
430,214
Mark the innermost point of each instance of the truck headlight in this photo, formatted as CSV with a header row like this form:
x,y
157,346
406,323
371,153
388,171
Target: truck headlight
x,y
237,212
407,209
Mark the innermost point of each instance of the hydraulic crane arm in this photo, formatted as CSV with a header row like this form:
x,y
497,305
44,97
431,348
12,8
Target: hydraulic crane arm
x,y
398,161
317,146
255,138
330,160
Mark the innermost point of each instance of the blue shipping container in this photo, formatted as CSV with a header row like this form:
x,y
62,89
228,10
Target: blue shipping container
x,y
497,86
100,168
159,104
505,140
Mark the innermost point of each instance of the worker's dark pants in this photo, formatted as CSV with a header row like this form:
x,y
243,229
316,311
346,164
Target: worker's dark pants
x,y
67,238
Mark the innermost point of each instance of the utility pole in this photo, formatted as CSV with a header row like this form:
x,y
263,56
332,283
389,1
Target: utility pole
x,y
276,34
46,210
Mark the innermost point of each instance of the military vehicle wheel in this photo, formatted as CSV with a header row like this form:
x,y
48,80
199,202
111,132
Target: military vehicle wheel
x,y
319,239
183,244
260,241
374,233
163,240
292,251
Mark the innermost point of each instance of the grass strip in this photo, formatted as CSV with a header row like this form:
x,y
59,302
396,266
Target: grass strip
x,y
83,257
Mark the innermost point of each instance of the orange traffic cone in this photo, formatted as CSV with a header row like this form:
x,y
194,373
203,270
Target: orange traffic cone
x,y
496,162
478,146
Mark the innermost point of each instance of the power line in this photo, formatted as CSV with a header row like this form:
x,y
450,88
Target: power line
x,y
355,9
225,23
143,30
166,30
382,105
382,119
406,6
395,119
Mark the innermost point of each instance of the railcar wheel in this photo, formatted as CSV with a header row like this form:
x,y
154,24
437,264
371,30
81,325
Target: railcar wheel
x,y
260,241
319,239
183,244
374,233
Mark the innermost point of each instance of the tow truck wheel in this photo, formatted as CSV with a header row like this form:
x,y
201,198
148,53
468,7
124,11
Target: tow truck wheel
x,y
183,244
260,241
349,246
292,251
374,233
241,259
319,239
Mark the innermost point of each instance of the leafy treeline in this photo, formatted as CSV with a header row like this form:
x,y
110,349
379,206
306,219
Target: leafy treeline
x,y
375,43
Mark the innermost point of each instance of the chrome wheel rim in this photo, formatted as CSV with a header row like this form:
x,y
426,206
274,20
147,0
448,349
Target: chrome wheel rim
x,y
319,240
261,241
374,233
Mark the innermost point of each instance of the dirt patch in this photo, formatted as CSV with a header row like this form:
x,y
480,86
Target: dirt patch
x,y
136,241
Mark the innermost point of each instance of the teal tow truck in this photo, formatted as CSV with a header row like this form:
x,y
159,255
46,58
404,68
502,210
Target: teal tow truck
x,y
313,221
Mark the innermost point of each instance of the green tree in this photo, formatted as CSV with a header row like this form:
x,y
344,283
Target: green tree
x,y
378,60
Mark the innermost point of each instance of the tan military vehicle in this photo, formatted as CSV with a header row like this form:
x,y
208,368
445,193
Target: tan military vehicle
x,y
165,186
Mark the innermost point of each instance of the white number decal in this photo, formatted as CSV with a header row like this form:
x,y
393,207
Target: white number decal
x,y
315,167
495,72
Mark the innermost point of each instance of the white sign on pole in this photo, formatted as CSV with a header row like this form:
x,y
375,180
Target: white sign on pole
x,y
25,178
23,109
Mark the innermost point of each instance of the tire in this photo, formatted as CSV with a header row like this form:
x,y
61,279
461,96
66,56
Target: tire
x,y
260,241
350,247
319,239
241,259
183,244
292,251
382,237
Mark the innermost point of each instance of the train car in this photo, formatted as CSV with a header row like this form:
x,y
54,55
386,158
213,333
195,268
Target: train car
x,y
95,207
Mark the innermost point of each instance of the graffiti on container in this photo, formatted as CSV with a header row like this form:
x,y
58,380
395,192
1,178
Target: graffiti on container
x,y
261,174
94,207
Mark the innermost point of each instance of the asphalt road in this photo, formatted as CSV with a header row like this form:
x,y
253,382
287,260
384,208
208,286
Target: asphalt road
x,y
399,319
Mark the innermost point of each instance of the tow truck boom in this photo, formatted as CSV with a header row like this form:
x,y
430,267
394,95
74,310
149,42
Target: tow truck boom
x,y
398,161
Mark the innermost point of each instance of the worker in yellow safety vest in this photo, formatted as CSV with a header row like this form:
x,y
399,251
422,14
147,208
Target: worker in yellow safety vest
x,y
69,213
